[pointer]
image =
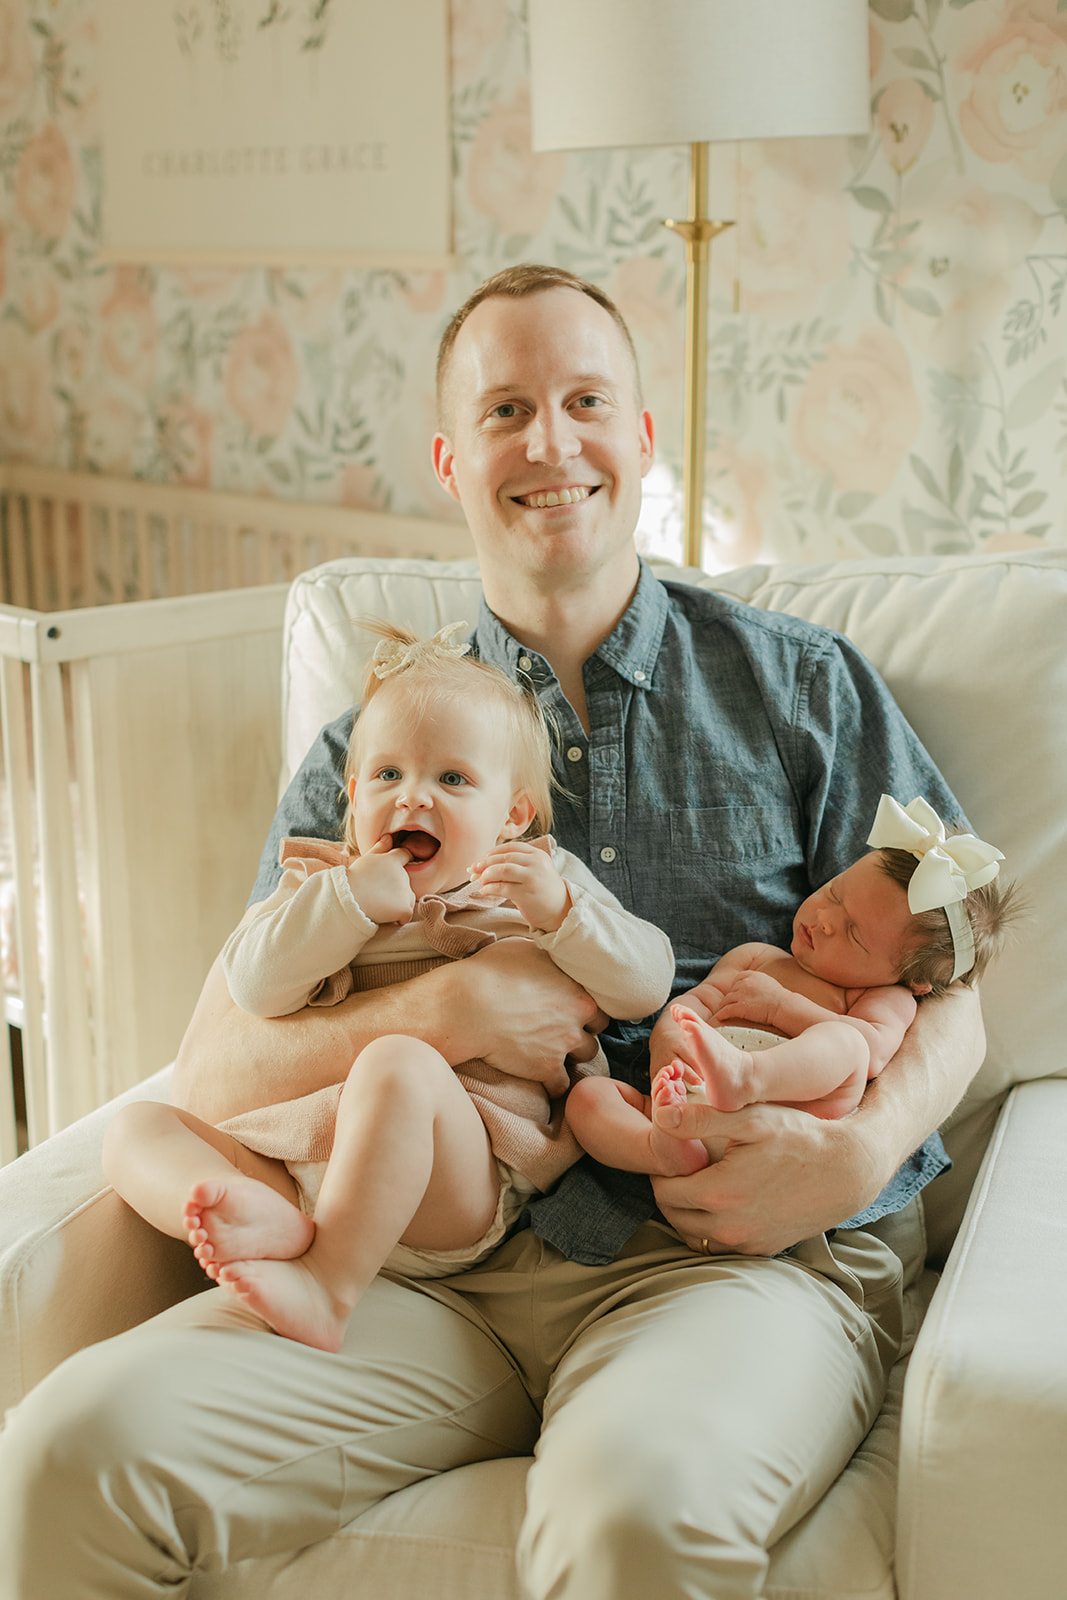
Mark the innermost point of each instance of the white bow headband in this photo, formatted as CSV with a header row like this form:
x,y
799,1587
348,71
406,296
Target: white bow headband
x,y
394,655
948,868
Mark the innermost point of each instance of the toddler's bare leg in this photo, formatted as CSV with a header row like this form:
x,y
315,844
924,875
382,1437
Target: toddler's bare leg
x,y
191,1181
411,1162
614,1123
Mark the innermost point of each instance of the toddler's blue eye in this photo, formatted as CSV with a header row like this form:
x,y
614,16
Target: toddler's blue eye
x,y
390,775
453,779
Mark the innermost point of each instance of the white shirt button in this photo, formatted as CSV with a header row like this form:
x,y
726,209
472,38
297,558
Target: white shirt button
x,y
525,663
639,677
574,753
608,853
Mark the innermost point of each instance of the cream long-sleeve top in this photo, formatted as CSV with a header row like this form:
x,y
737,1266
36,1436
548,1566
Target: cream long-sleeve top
x,y
310,943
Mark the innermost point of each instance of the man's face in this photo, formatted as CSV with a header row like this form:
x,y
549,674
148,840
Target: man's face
x,y
546,445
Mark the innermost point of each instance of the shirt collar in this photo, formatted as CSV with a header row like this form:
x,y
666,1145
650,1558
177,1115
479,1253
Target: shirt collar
x,y
630,649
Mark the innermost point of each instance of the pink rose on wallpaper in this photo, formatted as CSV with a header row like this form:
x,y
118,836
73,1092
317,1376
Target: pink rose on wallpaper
x,y
964,253
187,439
262,376
27,409
16,58
737,482
113,426
476,27
40,302
208,283
793,224
361,487
129,333
44,183
423,291
505,180
1017,107
905,118
858,412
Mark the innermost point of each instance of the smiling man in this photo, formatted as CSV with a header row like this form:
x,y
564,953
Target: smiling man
x,y
690,1390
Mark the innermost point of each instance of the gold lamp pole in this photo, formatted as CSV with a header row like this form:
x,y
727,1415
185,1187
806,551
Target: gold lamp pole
x,y
698,231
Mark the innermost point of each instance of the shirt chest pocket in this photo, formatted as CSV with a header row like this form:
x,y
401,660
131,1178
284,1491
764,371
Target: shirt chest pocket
x,y
737,873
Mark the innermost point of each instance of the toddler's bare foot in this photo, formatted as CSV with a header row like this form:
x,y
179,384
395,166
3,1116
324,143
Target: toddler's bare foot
x,y
728,1073
289,1296
243,1220
675,1157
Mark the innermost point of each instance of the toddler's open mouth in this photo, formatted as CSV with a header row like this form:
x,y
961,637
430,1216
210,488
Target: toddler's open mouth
x,y
420,844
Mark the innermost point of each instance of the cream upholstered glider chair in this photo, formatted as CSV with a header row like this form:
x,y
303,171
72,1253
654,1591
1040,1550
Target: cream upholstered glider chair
x,y
958,1492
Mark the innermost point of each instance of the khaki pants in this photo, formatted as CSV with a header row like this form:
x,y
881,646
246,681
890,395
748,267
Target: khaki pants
x,y
685,1412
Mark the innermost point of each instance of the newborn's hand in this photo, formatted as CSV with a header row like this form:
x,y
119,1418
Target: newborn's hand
x,y
752,997
380,884
526,875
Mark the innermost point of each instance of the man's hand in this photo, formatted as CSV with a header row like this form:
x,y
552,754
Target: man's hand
x,y
783,1176
531,1014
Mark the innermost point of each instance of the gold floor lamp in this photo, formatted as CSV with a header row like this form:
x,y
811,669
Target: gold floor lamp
x,y
610,73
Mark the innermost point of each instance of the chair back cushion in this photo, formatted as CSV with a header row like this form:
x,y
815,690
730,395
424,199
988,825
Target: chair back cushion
x,y
973,649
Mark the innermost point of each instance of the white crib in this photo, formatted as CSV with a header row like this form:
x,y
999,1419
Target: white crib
x,y
142,629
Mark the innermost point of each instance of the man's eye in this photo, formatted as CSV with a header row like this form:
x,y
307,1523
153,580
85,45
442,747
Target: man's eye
x,y
453,780
589,400
505,411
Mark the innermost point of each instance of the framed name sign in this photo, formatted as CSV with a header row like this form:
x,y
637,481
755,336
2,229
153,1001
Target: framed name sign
x,y
280,132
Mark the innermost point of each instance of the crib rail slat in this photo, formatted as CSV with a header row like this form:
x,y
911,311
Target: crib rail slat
x,y
19,799
69,1054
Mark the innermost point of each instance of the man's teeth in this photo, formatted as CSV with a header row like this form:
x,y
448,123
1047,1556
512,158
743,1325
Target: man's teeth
x,y
564,497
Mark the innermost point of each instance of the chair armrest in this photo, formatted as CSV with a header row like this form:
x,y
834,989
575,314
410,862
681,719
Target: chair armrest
x,y
983,1470
76,1264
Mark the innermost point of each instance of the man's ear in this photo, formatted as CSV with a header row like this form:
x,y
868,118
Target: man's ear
x,y
443,465
648,439
520,816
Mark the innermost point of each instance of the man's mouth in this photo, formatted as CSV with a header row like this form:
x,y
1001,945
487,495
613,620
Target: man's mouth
x,y
542,498
420,845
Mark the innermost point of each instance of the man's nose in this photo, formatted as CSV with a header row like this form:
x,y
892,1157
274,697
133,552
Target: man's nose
x,y
552,439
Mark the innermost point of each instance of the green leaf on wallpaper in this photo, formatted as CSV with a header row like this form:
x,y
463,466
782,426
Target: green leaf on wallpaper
x,y
1029,503
872,199
893,10
917,522
854,504
571,213
958,5
877,537
1038,530
955,474
921,300
933,11
916,58
926,478
1034,399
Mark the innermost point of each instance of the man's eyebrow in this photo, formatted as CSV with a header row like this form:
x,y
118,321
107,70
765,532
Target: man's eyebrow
x,y
581,380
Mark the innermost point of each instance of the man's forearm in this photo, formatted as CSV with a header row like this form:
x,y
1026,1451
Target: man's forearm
x,y
923,1083
230,1061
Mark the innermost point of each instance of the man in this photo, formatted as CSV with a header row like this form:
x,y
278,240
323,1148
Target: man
x,y
693,1390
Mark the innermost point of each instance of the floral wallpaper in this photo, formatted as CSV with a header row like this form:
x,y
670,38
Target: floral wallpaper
x,y
888,374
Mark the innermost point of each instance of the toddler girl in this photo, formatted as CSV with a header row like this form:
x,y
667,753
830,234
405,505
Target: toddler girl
x,y
823,1018
449,796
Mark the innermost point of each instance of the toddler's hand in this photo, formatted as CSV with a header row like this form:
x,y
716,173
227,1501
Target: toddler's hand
x,y
526,875
380,884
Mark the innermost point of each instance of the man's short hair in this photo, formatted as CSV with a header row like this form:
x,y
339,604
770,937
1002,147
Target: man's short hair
x,y
515,283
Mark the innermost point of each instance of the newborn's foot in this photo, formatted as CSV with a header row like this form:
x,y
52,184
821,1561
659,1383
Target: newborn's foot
x,y
728,1073
243,1220
675,1157
289,1296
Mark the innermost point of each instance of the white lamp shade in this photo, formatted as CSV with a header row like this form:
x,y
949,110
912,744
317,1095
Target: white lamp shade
x,y
608,73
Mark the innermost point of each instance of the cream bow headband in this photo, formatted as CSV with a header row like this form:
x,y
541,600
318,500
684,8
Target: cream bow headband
x,y
948,868
393,655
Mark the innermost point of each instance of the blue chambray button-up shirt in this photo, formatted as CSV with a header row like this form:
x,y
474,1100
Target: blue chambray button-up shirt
x,y
734,763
